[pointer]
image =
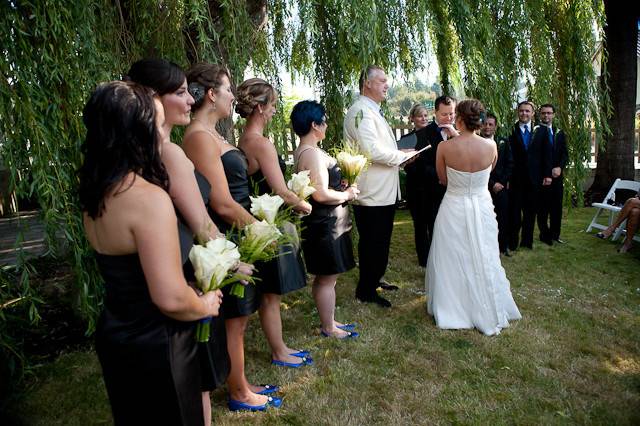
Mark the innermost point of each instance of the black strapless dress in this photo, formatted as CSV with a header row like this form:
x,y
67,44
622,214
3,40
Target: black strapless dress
x,y
214,357
235,169
286,272
149,361
326,234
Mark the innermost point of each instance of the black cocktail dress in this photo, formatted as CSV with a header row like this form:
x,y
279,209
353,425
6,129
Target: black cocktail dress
x,y
149,361
286,272
235,169
214,357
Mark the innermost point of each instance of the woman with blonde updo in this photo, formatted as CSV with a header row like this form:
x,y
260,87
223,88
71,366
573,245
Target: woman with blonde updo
x,y
225,167
257,103
466,284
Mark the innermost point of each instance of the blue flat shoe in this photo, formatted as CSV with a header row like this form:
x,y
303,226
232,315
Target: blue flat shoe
x,y
304,361
346,327
241,406
301,354
268,389
350,335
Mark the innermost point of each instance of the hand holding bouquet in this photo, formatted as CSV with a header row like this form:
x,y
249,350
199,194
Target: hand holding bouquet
x,y
351,163
300,184
212,263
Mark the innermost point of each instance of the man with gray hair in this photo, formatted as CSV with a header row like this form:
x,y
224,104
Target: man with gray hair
x,y
379,185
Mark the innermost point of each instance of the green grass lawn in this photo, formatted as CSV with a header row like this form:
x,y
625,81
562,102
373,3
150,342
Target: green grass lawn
x,y
574,358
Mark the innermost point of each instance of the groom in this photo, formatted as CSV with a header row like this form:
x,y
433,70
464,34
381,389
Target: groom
x,y
379,185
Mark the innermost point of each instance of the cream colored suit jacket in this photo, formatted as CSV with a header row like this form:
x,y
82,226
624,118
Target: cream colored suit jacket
x,y
379,185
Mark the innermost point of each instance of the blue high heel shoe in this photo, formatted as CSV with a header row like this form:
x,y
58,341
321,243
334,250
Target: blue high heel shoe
x,y
304,361
241,406
268,389
301,354
349,335
347,327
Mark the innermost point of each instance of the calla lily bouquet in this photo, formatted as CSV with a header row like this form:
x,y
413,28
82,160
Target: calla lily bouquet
x,y
212,263
300,184
259,240
351,162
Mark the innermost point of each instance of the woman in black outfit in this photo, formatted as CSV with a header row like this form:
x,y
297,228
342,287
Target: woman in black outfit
x,y
284,274
225,167
145,335
326,234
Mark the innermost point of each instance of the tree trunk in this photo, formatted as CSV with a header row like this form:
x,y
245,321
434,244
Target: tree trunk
x,y
615,160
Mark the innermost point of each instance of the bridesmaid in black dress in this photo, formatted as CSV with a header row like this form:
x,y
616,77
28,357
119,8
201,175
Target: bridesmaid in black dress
x,y
145,335
189,192
225,168
257,103
326,233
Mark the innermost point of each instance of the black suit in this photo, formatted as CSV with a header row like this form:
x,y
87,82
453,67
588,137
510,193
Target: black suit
x,y
550,213
530,166
502,174
424,192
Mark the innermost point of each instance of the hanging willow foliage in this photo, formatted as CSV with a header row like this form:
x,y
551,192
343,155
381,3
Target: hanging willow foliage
x,y
55,52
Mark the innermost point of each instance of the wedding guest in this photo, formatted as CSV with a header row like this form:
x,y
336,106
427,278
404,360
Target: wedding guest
x,y
145,333
531,171
550,211
631,213
189,191
499,181
257,103
424,191
379,185
326,235
225,167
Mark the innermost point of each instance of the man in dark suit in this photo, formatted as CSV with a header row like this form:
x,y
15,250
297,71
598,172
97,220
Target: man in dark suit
x,y
531,171
424,192
550,212
498,181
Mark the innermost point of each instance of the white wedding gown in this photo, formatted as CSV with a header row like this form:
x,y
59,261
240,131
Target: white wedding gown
x,y
466,283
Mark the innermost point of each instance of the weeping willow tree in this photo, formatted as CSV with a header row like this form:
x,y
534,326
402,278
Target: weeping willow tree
x,y
54,54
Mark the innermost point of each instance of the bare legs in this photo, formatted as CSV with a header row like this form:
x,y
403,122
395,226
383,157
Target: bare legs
x,y
630,205
272,326
206,407
324,293
633,221
239,387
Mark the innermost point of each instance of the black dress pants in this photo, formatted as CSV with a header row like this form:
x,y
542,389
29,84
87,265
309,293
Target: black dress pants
x,y
501,205
421,212
550,211
523,204
375,224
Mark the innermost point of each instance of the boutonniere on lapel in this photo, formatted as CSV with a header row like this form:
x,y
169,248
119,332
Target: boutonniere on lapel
x,y
535,128
359,116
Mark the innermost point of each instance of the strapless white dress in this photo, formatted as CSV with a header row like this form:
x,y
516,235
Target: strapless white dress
x,y
465,282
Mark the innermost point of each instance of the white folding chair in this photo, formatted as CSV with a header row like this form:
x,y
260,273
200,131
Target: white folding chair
x,y
611,209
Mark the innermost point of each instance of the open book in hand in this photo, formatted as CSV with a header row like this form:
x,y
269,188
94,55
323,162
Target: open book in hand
x,y
413,154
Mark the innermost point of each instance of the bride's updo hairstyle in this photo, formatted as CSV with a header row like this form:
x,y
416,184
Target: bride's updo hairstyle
x,y
251,93
203,77
121,138
472,113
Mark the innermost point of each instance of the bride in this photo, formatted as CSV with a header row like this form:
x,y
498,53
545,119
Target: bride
x,y
466,284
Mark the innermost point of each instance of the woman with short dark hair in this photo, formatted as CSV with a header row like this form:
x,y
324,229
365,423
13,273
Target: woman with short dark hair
x,y
326,232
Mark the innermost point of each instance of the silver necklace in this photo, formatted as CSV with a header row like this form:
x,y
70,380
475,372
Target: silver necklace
x,y
212,132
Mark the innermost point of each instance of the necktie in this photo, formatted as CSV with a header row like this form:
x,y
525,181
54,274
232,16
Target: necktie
x,y
381,113
550,136
526,137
